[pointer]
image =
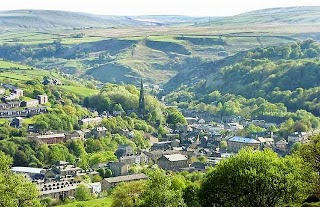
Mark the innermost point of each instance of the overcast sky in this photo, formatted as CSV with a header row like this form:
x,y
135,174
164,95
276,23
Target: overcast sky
x,y
155,7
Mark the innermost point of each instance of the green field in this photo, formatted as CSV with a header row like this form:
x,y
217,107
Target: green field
x,y
102,202
9,65
80,90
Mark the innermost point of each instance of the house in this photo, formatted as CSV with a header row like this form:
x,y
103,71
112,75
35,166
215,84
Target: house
x,y
16,122
165,145
95,188
127,133
236,143
153,156
2,91
58,189
124,150
233,126
78,134
118,168
49,138
30,172
13,104
139,159
29,103
90,121
43,99
98,132
173,162
281,145
18,92
266,142
108,183
301,137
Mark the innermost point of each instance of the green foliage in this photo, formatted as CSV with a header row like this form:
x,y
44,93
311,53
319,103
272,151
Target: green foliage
x,y
159,192
13,187
257,178
83,193
175,117
127,194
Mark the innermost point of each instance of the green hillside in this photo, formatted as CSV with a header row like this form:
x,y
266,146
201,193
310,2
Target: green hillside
x,y
273,81
273,16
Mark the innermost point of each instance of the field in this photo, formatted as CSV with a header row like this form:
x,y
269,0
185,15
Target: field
x,y
102,202
80,90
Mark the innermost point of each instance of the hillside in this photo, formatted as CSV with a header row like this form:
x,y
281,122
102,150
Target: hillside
x,y
154,48
273,16
284,75
48,20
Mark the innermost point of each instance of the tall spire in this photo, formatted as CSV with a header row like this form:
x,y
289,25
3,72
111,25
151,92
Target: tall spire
x,y
142,106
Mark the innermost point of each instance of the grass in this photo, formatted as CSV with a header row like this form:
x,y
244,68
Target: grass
x,y
9,65
165,39
101,202
80,90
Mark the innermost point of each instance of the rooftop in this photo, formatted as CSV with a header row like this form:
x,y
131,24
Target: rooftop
x,y
244,140
126,178
28,170
176,157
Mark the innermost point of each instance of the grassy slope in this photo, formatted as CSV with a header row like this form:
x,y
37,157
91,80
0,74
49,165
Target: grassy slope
x,y
80,90
102,202
157,56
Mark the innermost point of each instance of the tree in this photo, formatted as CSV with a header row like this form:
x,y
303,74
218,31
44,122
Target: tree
x,y
175,117
126,194
159,192
15,190
256,179
83,193
190,195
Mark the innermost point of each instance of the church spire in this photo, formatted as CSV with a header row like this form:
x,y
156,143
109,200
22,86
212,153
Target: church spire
x,y
141,101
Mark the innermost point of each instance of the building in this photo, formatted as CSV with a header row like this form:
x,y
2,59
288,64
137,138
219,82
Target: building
x,y
18,92
301,137
167,145
118,168
58,189
29,103
173,162
153,156
140,159
30,172
50,138
108,183
90,121
237,143
281,145
124,150
99,132
78,134
43,99
16,122
95,188
266,142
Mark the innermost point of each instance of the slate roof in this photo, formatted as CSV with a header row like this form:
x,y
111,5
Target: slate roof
x,y
175,157
126,178
28,170
244,140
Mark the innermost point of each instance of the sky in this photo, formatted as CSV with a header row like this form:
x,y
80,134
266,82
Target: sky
x,y
155,7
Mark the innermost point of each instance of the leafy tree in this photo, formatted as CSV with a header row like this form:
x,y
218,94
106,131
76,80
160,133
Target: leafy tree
x,y
256,179
83,193
15,190
126,194
159,192
175,117
190,195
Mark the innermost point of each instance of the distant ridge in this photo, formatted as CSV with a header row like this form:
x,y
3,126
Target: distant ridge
x,y
50,19
272,16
